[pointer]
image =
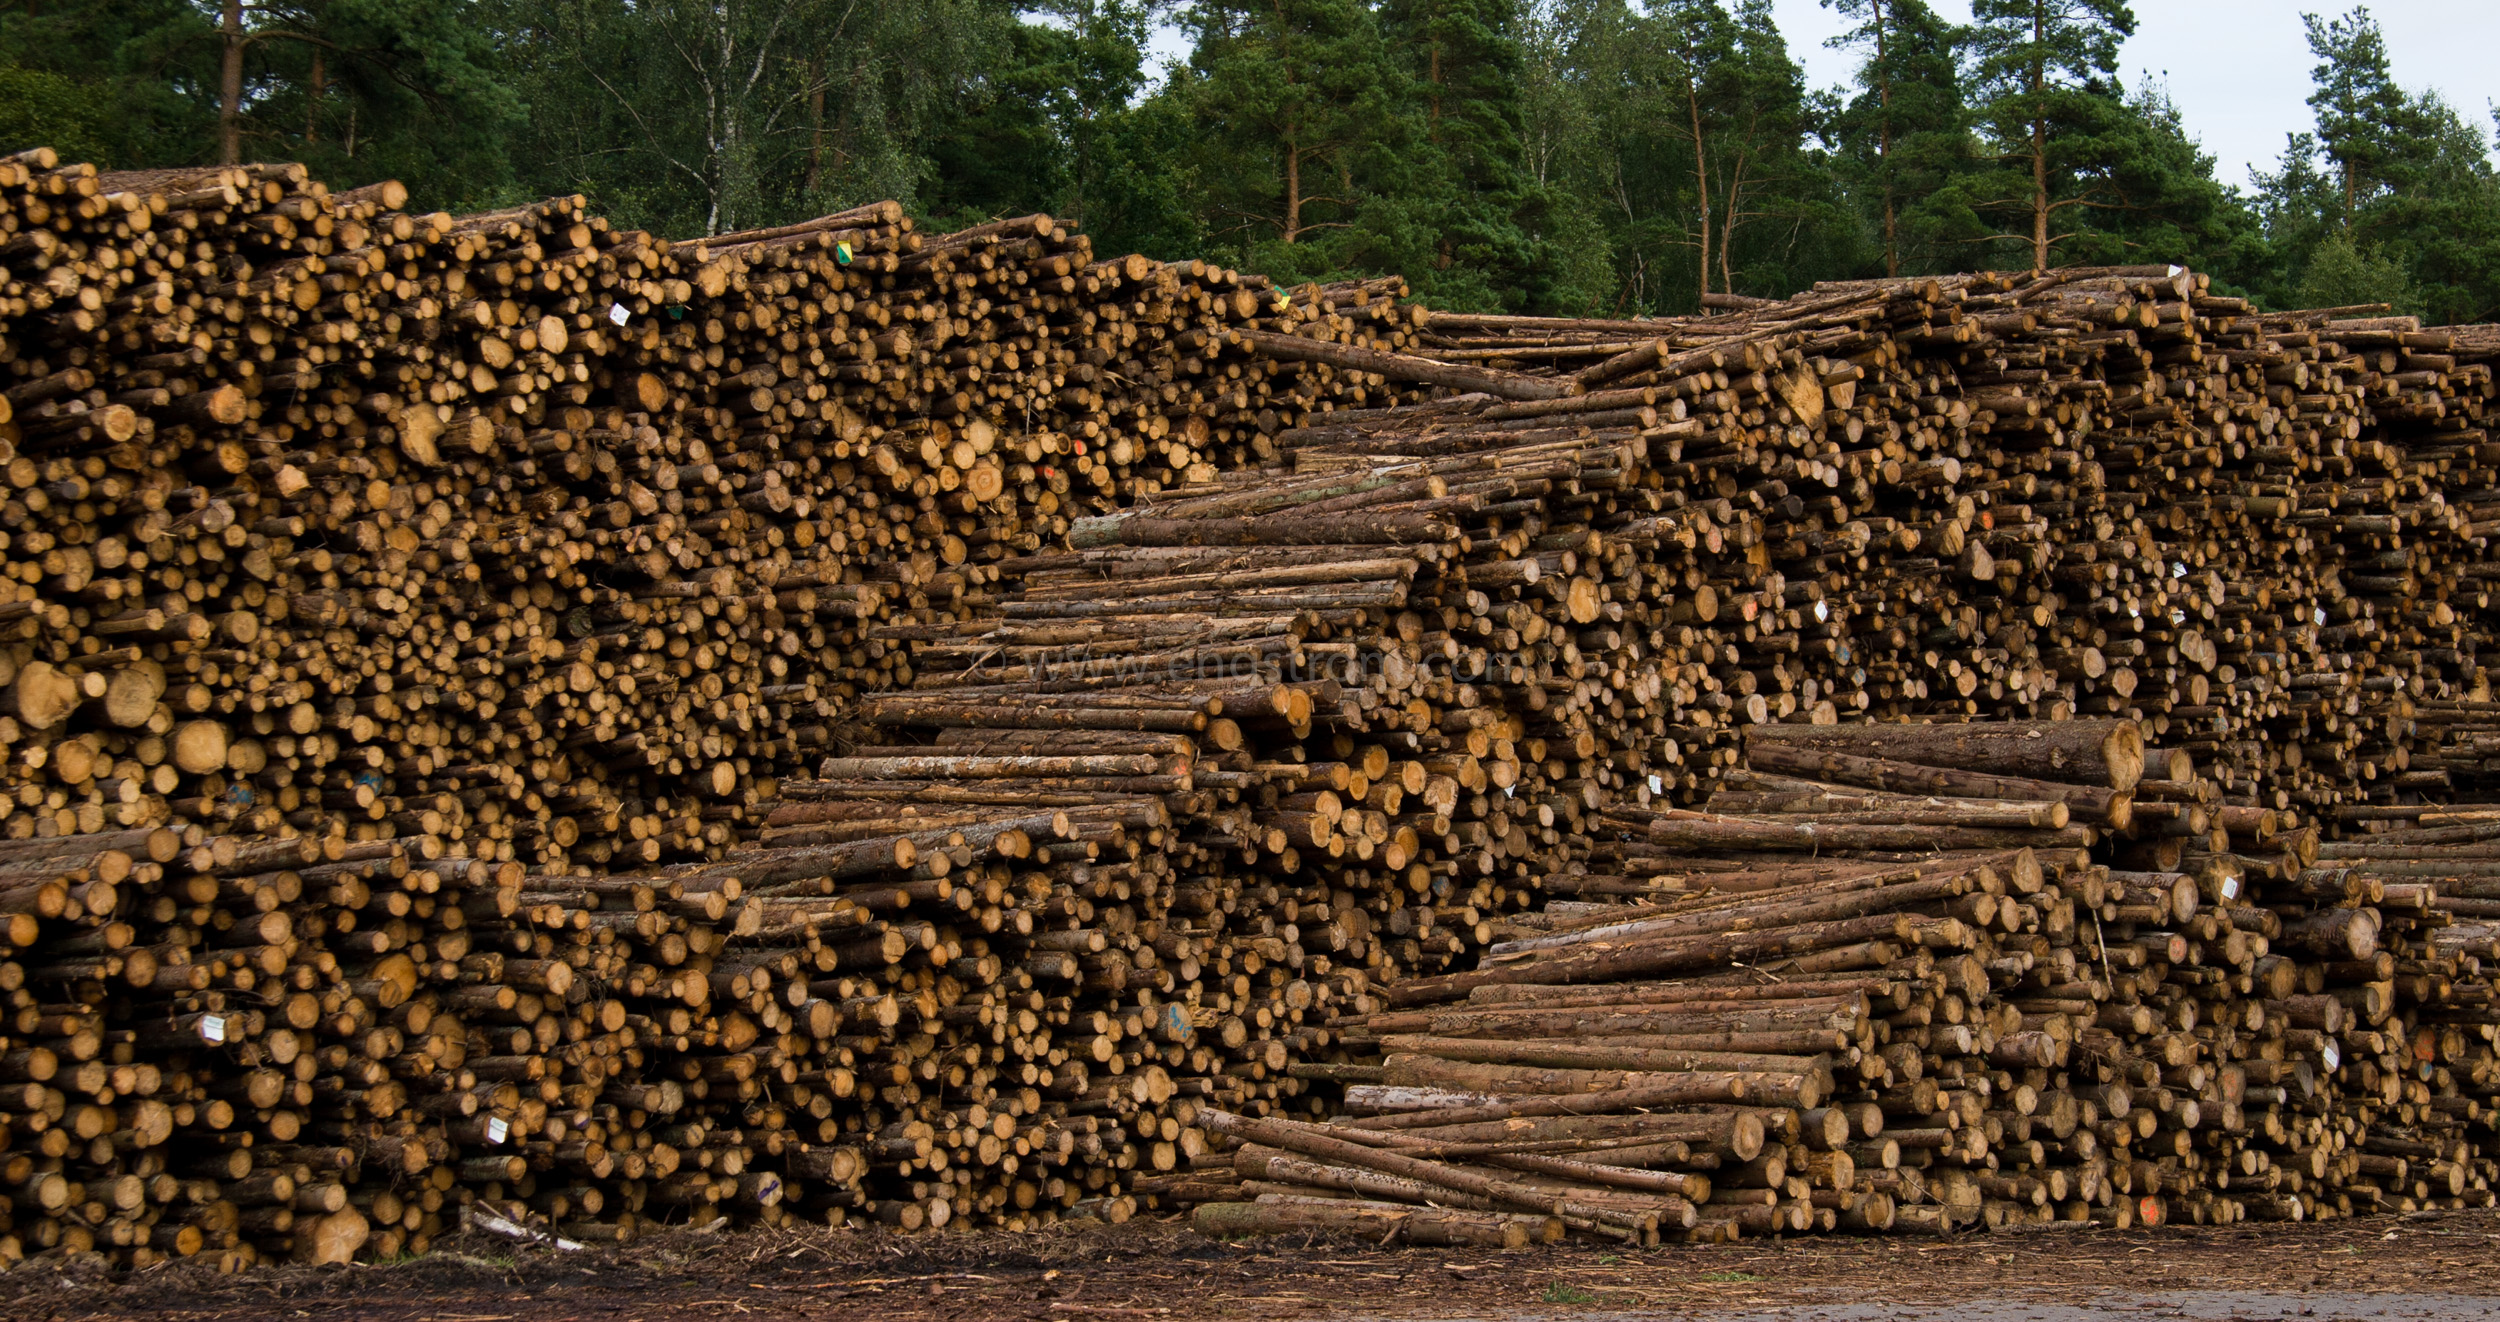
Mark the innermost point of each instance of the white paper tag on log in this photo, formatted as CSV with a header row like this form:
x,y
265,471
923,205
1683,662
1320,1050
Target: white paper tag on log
x,y
496,1128
618,314
212,1029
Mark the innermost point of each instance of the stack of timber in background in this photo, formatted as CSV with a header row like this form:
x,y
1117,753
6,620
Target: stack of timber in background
x,y
1924,992
421,626
376,576
2089,491
552,539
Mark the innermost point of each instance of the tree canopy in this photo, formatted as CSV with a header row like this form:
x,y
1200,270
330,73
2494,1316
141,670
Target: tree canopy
x,y
1613,157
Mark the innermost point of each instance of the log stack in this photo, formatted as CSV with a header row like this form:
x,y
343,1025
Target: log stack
x,y
1930,990
555,540
904,1010
2091,491
376,576
836,721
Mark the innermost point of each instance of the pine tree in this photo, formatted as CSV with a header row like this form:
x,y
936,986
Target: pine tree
x,y
699,116
2363,116
2170,208
1459,210
114,83
356,89
2407,208
1907,130
1783,220
2049,72
1293,99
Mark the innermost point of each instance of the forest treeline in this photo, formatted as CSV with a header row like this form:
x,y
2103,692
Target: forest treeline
x,y
1551,156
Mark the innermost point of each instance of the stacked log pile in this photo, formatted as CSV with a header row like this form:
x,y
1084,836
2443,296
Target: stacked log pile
x,y
1925,990
1560,545
419,627
900,1008
2092,491
374,576
1278,657
553,540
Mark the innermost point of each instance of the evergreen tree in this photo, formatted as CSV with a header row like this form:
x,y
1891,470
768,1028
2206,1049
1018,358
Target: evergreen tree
x,y
2048,73
2364,118
121,84
1048,126
1142,192
356,89
2406,209
702,116
2297,206
2168,205
1460,214
1782,222
1907,131
2340,274
1296,101
1579,156
2441,220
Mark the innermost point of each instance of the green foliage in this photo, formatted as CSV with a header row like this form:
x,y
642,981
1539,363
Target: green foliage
x,y
1046,127
2393,200
1681,129
1302,111
42,108
120,82
2363,116
1576,157
2340,274
1906,135
402,89
2056,121
358,90
705,116
1142,193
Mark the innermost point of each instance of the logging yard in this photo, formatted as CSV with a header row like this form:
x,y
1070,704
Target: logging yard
x,y
837,769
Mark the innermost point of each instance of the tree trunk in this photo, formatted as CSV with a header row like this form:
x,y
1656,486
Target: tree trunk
x,y
1701,175
1433,75
2104,752
312,99
2039,195
230,85
1883,143
815,124
1403,367
1293,192
2039,143
1727,226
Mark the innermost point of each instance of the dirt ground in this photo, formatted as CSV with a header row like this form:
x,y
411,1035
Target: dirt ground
x,y
2384,1270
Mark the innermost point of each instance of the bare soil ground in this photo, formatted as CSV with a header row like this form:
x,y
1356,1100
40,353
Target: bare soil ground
x,y
2428,1267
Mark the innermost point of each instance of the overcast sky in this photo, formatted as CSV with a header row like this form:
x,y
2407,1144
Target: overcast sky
x,y
2239,69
